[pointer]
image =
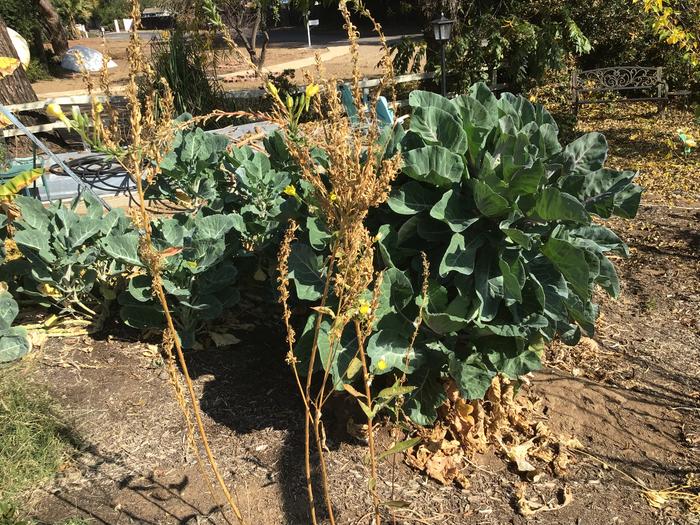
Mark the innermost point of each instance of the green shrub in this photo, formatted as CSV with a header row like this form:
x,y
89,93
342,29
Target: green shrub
x,y
71,259
505,216
192,171
197,271
37,71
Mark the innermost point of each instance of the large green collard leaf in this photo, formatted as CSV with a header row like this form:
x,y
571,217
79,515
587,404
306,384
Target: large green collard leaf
x,y
391,350
471,375
555,205
435,165
490,203
453,210
437,126
307,271
124,248
14,344
571,262
8,310
587,153
411,198
460,255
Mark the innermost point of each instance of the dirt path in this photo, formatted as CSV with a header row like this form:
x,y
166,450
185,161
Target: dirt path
x,y
633,403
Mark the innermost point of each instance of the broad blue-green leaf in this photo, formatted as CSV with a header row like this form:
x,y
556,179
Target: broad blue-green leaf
x,y
123,247
428,99
318,235
422,404
435,165
488,286
389,351
36,241
595,236
526,180
554,205
513,277
460,255
14,344
505,357
83,230
471,375
436,126
396,293
32,212
307,271
8,310
607,277
411,198
452,209
606,192
140,288
588,152
213,227
143,315
488,201
571,262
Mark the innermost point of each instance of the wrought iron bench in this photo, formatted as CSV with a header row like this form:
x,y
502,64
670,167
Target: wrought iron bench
x,y
638,83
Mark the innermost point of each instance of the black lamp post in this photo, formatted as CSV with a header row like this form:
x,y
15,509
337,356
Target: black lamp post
x,y
442,29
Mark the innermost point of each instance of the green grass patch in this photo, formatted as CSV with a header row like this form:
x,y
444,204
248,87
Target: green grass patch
x,y
34,441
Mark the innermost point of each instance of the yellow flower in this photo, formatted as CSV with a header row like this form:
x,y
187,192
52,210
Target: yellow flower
x,y
381,364
272,90
55,111
99,108
333,197
291,191
290,103
690,142
4,121
48,290
364,308
312,90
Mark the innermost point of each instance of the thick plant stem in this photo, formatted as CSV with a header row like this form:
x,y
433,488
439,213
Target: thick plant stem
x,y
307,394
370,421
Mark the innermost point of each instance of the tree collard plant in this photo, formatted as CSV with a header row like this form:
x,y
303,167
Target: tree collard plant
x,y
257,194
72,256
511,223
197,273
192,172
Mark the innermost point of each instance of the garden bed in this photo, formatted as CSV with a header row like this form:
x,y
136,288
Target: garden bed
x,y
632,401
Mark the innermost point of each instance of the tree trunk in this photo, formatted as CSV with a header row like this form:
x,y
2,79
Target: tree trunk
x,y
14,89
54,27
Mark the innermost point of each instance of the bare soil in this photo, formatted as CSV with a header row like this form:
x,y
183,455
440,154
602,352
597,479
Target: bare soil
x,y
632,399
119,76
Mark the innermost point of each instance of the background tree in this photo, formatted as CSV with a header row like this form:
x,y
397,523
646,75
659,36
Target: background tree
x,y
15,88
528,41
